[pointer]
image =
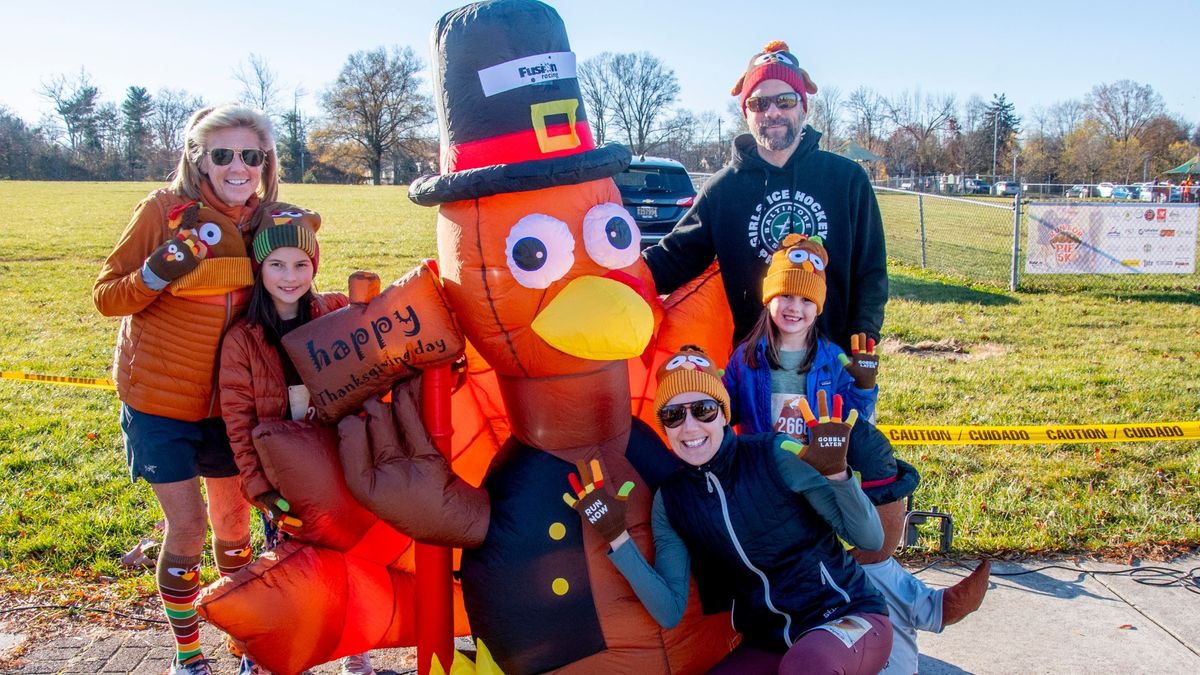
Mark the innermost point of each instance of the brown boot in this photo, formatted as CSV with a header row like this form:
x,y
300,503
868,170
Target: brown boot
x,y
965,597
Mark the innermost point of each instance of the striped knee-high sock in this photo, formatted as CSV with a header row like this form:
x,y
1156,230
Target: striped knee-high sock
x,y
178,579
232,556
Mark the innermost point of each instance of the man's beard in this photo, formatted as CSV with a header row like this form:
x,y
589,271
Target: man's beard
x,y
776,143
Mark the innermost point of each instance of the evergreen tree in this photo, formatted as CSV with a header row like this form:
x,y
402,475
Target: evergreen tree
x,y
135,128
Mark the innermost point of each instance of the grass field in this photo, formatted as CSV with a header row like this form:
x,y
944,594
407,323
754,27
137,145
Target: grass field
x,y
1091,350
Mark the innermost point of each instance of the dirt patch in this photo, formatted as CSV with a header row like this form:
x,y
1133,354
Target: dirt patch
x,y
946,348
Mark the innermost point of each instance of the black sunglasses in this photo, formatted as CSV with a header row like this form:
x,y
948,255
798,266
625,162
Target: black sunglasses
x,y
704,410
251,157
785,101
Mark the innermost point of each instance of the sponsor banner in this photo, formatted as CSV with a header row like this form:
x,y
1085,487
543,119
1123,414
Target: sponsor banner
x,y
1111,238
92,382
522,72
1064,433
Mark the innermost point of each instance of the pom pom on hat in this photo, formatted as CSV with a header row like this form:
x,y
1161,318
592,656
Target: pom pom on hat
x,y
798,268
774,62
690,369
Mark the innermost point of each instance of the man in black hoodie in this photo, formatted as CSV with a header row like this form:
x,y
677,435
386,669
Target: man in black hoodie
x,y
777,183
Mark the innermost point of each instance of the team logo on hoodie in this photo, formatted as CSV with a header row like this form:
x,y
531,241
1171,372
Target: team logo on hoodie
x,y
779,214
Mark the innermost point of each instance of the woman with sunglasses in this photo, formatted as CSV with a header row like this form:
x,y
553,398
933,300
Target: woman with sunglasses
x,y
179,276
756,520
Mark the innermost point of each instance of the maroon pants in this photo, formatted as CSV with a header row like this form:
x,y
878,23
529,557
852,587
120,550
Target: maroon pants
x,y
817,651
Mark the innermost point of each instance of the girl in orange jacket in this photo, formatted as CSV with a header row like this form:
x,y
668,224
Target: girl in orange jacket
x,y
259,383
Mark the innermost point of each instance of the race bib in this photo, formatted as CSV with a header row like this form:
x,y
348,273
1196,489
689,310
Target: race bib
x,y
788,419
849,629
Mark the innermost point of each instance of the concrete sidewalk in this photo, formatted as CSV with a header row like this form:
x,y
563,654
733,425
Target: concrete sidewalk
x,y
1053,621
1060,621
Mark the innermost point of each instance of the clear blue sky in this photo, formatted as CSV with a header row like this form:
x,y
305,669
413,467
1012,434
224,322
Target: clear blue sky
x,y
1037,53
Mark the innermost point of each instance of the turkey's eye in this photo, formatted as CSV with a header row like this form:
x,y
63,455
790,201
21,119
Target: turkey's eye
x,y
797,256
700,361
539,250
676,362
209,233
817,263
610,236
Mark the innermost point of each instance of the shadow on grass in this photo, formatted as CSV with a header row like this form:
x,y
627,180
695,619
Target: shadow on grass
x,y
1180,296
931,291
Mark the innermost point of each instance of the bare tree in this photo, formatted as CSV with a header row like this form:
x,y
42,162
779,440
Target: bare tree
x,y
75,101
597,91
921,117
1065,117
643,89
172,108
826,115
260,85
375,103
1124,108
867,111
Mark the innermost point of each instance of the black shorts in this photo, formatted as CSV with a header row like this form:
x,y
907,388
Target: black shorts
x,y
163,450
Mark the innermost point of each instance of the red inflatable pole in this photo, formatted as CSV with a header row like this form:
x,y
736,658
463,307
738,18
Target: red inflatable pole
x,y
434,599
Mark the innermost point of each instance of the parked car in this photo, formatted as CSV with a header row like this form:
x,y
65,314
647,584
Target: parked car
x,y
1080,191
1145,191
1007,188
1123,192
656,192
977,186
1104,189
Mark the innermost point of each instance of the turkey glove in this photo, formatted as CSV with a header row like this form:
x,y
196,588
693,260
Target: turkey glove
x,y
828,436
276,508
863,362
599,508
177,256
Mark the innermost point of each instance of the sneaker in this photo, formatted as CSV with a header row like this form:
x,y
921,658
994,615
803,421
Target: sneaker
x,y
249,667
357,664
197,667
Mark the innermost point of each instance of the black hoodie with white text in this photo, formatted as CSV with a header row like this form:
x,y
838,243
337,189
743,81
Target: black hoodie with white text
x,y
743,213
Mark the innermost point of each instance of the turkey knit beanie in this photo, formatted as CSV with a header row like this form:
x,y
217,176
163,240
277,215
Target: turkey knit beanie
x,y
774,62
690,369
281,225
798,268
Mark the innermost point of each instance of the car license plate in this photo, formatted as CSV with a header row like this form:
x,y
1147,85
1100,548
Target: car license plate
x,y
647,211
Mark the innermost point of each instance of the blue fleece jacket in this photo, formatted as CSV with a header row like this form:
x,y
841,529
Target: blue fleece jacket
x,y
750,389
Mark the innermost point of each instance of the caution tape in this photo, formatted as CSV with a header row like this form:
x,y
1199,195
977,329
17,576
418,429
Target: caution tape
x,y
897,434
92,382
1055,433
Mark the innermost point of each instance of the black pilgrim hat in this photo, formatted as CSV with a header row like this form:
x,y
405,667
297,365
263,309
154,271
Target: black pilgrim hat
x,y
508,104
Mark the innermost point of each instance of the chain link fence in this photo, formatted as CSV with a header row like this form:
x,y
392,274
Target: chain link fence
x,y
971,238
983,240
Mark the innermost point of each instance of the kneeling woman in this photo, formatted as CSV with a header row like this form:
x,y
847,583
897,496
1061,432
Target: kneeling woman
x,y
759,528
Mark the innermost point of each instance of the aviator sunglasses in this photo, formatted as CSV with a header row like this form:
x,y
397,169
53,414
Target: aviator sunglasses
x,y
251,157
785,101
704,410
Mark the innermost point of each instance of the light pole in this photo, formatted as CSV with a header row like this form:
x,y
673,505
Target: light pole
x,y
995,137
1015,156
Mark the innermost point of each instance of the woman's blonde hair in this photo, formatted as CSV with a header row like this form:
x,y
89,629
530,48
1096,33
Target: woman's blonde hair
x,y
202,124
